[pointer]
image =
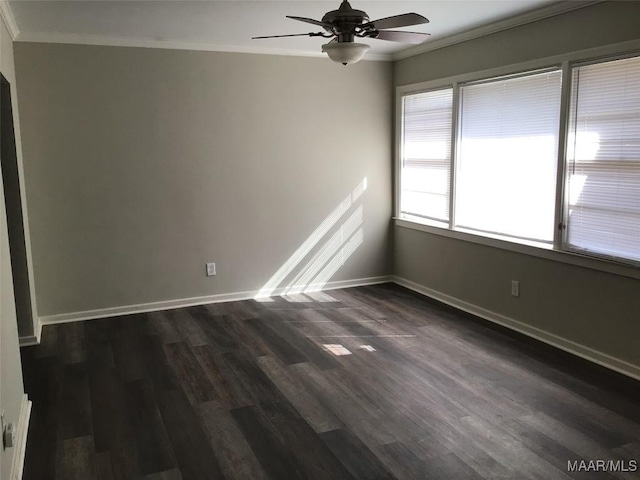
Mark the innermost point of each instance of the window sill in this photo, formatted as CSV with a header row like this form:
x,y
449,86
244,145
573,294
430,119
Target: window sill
x,y
539,250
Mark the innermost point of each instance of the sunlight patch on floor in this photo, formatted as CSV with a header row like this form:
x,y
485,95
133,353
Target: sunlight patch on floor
x,y
337,349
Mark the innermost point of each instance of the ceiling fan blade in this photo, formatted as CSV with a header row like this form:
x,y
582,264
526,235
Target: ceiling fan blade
x,y
311,21
404,20
292,35
404,37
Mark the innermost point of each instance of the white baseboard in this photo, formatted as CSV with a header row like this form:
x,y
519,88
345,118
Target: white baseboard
x,y
190,302
29,341
569,346
34,339
17,465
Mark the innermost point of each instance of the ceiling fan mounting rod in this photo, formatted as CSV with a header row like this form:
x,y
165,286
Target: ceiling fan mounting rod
x,y
345,37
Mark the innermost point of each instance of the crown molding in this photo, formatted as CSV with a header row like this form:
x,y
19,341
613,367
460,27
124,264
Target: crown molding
x,y
109,41
548,11
552,10
9,20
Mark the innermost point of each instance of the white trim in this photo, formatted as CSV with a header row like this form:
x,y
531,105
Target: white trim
x,y
25,211
564,344
9,20
398,153
561,207
12,27
189,302
625,48
31,340
540,14
538,250
109,41
17,465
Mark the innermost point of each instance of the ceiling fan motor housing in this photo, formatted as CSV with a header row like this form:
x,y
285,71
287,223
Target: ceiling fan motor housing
x,y
344,21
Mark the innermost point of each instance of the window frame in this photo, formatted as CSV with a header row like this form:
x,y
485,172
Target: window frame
x,y
400,153
558,250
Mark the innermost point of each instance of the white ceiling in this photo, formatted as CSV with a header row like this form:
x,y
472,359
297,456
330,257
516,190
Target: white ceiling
x,y
229,25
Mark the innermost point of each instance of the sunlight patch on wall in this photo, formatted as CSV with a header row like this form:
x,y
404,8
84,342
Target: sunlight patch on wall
x,y
306,275
304,249
338,261
310,268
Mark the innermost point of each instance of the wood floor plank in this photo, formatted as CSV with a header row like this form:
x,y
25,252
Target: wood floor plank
x,y
312,350
348,408
192,450
584,447
317,415
248,339
71,343
126,351
99,349
162,325
173,474
154,452
77,459
111,428
355,455
75,402
188,327
250,382
157,367
227,392
189,373
103,466
213,329
288,353
232,450
401,462
274,457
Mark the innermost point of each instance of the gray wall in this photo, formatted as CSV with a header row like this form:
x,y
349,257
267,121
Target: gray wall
x,y
601,24
11,387
595,309
143,164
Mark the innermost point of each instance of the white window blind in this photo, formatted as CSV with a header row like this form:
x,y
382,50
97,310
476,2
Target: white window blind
x,y
507,156
604,159
426,155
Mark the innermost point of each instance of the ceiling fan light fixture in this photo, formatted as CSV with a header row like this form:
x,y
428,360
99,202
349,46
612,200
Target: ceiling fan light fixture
x,y
345,52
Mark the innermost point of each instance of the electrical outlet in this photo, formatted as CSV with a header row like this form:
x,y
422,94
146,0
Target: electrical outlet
x,y
8,433
515,288
8,436
211,269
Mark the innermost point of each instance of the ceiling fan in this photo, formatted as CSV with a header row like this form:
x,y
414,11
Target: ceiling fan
x,y
345,24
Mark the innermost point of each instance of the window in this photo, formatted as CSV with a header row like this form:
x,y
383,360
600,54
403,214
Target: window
x,y
604,159
426,154
499,175
507,156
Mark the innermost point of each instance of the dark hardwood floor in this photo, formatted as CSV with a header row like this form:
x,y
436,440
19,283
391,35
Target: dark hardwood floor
x,y
371,383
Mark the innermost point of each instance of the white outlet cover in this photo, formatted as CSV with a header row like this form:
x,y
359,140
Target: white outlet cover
x,y
211,269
